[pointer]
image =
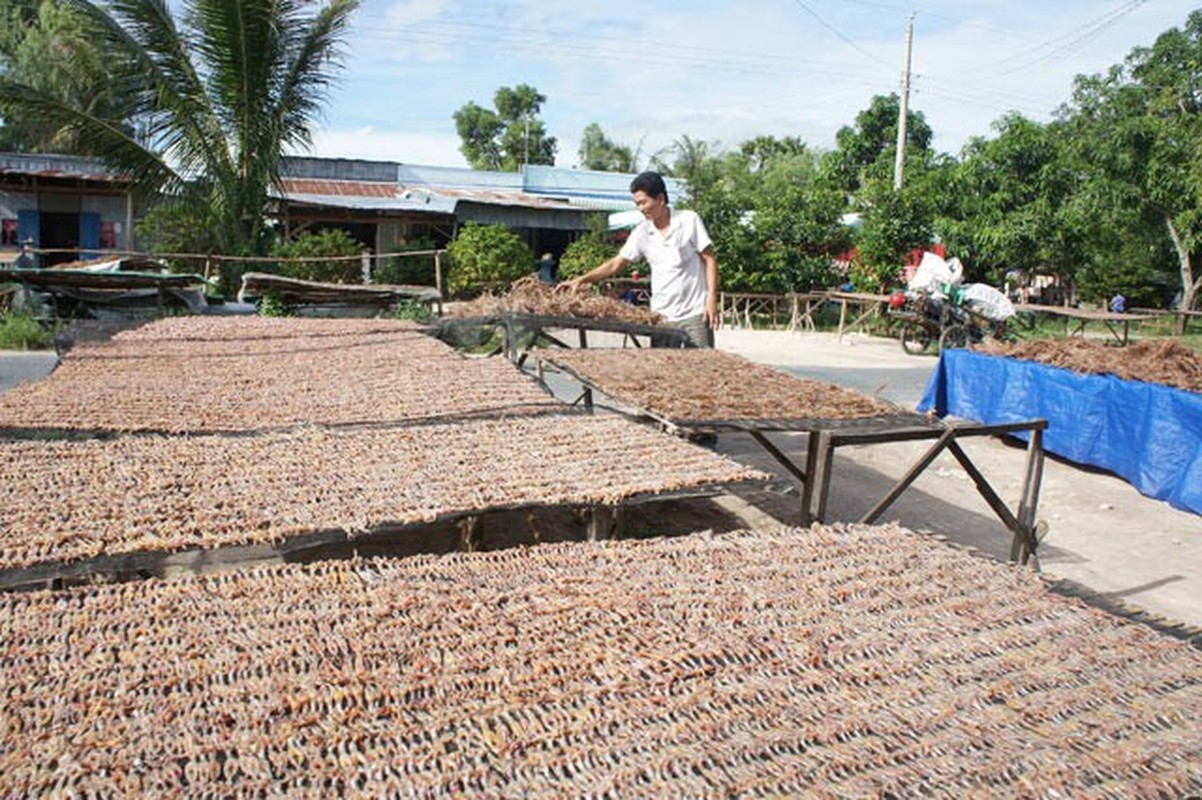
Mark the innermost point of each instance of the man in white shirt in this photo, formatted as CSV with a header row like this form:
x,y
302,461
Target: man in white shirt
x,y
675,244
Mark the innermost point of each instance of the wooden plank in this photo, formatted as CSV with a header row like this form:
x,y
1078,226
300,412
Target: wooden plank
x,y
819,459
471,534
909,477
781,457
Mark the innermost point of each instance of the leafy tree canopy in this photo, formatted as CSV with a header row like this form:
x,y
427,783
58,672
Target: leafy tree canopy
x,y
867,149
1138,136
508,136
775,221
1002,206
597,152
52,47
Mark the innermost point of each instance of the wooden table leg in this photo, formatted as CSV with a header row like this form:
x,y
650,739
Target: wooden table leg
x,y
471,534
604,522
819,457
1020,549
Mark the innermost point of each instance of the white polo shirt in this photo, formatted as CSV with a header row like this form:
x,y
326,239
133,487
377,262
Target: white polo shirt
x,y
678,285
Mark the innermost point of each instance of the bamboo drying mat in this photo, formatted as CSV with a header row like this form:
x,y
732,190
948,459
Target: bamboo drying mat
x,y
241,374
836,662
65,501
691,386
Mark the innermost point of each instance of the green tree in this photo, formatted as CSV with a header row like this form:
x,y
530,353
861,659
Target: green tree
x,y
210,100
597,152
867,150
774,219
509,136
895,222
762,150
1139,135
51,47
486,257
690,157
1002,206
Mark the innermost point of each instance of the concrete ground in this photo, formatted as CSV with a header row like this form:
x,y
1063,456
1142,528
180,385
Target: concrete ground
x,y
1105,540
17,367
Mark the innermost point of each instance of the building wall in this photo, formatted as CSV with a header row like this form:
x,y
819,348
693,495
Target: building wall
x,y
63,218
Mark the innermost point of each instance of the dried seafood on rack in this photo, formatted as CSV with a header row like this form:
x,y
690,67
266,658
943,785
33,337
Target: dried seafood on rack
x,y
69,501
843,661
248,328
1162,361
210,374
529,295
704,385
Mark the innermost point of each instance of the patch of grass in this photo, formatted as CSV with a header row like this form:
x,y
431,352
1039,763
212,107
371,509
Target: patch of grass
x,y
1192,341
412,310
273,305
23,332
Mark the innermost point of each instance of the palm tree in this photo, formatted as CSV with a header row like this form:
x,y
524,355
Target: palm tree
x,y
209,101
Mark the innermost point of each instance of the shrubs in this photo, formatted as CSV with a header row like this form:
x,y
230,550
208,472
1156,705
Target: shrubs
x,y
409,270
486,257
22,332
334,253
585,253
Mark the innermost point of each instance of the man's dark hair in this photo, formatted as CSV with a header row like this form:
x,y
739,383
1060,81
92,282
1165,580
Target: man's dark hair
x,y
649,183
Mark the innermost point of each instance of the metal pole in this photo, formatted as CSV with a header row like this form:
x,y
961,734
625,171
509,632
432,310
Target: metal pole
x,y
900,164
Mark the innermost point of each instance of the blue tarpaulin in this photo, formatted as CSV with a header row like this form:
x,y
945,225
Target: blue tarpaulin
x,y
1148,434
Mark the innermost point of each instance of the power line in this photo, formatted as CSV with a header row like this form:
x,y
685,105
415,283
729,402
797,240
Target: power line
x,y
837,33
1045,50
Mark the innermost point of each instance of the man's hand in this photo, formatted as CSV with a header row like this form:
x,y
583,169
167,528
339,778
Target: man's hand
x,y
712,317
572,285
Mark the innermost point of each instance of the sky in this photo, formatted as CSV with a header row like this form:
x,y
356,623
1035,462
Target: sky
x,y
718,72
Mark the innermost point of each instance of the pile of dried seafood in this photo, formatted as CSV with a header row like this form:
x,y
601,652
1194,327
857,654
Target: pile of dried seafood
x,y
531,296
255,328
699,385
65,501
1163,361
842,662
206,374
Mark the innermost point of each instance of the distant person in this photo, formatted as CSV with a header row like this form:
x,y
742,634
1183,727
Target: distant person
x,y
1118,304
25,259
678,249
548,269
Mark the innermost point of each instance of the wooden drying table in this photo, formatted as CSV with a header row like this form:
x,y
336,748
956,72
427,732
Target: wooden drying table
x,y
514,325
1075,319
601,521
825,435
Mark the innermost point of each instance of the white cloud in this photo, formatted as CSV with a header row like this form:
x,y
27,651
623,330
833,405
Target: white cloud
x,y
408,12
411,148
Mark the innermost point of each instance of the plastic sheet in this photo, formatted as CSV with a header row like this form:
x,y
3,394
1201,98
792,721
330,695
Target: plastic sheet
x,y
1149,435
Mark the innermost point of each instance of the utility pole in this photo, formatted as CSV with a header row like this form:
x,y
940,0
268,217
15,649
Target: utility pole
x,y
899,165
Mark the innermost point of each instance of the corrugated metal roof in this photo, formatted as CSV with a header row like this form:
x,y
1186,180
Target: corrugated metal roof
x,y
350,169
490,197
458,178
370,195
340,188
350,183
364,196
58,166
423,202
